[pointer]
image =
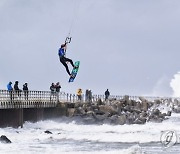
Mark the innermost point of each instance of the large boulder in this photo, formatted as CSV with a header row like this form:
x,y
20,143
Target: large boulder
x,y
137,106
176,102
140,121
113,119
142,99
130,118
121,120
144,105
158,102
176,109
100,102
80,111
89,113
100,117
107,109
168,113
156,112
47,132
71,112
89,120
4,139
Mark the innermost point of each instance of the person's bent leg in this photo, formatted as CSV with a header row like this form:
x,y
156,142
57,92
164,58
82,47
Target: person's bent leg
x,y
62,60
69,60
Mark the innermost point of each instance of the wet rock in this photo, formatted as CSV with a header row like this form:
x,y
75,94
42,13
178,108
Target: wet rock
x,y
47,132
126,108
102,117
130,118
89,120
157,102
121,120
176,102
119,104
142,99
89,113
4,139
98,112
169,113
155,119
156,112
136,110
99,102
176,109
113,118
139,121
144,105
107,121
80,111
107,109
99,117
71,112
77,104
137,107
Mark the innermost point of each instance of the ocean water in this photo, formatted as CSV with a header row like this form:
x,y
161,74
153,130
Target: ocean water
x,y
74,137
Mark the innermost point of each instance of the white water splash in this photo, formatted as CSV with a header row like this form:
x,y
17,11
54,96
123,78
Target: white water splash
x,y
175,85
70,137
161,87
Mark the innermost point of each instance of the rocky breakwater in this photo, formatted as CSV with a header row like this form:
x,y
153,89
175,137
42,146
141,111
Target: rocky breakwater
x,y
176,106
124,111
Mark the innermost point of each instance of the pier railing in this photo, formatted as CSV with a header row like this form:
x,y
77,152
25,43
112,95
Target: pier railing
x,y
31,99
27,99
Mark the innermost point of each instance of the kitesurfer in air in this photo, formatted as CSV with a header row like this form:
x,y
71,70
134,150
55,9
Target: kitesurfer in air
x,y
63,59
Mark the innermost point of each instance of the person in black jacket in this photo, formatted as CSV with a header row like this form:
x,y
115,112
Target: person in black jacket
x,y
53,91
25,89
16,88
58,87
107,93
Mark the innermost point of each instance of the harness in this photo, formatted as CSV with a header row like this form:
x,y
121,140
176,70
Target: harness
x,y
61,52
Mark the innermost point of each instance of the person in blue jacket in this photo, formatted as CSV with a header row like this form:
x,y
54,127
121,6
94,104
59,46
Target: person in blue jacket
x,y
9,86
63,59
10,90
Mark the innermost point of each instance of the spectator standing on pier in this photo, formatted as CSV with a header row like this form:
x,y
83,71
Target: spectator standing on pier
x,y
58,87
53,90
10,89
86,95
9,86
90,96
79,94
16,88
107,93
25,89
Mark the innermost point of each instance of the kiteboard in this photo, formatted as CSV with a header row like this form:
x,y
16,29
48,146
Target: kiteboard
x,y
74,71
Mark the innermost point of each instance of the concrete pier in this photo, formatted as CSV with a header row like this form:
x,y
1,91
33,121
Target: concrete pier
x,y
11,117
17,117
40,105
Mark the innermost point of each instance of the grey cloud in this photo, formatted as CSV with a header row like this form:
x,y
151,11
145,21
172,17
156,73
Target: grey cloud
x,y
126,46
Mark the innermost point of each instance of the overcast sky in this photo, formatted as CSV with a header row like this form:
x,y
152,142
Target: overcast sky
x,y
128,46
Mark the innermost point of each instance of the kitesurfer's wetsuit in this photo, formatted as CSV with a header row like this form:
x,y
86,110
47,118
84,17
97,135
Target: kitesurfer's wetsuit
x,y
63,59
